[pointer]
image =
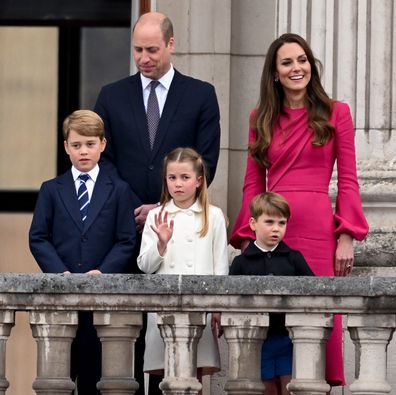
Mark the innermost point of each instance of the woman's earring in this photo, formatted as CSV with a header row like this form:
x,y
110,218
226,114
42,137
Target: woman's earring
x,y
276,79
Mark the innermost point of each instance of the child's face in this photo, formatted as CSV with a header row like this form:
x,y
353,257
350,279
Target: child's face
x,y
269,230
84,151
182,182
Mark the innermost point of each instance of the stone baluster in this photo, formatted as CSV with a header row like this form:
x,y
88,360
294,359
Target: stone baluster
x,y
309,333
244,334
371,335
7,320
181,333
118,332
54,332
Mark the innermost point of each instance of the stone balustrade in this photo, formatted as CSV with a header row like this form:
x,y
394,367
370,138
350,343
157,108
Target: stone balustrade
x,y
118,302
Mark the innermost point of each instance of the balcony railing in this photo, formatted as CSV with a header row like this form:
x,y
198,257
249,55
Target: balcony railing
x,y
182,303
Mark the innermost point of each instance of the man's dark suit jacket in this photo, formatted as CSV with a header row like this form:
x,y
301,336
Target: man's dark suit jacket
x,y
60,241
190,118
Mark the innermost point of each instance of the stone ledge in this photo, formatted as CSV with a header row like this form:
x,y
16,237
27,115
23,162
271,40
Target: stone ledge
x,y
177,285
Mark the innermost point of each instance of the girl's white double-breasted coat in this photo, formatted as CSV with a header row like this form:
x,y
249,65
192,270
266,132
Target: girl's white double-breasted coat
x,y
186,253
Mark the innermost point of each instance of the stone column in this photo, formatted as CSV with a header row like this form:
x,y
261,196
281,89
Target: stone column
x,y
7,321
244,334
181,333
371,335
118,332
309,333
54,332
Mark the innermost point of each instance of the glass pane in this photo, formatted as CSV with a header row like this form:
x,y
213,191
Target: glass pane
x,y
105,54
28,106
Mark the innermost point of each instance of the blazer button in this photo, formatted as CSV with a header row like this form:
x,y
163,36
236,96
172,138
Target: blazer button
x,y
79,264
151,167
84,239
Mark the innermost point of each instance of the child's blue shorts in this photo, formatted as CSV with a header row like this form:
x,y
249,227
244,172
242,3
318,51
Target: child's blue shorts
x,y
276,357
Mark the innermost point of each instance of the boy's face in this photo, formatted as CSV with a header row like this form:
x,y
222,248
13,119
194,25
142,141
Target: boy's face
x,y
269,230
84,151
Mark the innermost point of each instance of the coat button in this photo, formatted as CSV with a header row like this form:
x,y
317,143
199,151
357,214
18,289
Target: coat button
x,y
151,167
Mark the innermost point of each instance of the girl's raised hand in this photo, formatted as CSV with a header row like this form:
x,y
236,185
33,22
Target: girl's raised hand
x,y
163,230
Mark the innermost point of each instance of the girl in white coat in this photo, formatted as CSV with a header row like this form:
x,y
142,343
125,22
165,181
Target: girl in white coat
x,y
184,235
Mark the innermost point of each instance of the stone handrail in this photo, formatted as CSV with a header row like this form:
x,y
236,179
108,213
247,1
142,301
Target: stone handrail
x,y
182,303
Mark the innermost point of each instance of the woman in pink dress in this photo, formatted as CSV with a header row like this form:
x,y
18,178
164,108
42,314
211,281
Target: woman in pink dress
x,y
296,135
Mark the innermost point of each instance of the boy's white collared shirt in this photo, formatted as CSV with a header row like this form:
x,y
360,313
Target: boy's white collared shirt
x,y
263,249
90,183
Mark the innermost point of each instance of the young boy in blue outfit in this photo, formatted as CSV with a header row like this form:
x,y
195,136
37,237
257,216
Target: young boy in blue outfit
x,y
269,255
84,223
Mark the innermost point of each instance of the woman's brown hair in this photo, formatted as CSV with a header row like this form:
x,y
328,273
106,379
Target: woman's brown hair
x,y
318,103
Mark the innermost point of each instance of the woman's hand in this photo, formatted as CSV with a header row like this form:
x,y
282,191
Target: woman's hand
x,y
344,255
163,230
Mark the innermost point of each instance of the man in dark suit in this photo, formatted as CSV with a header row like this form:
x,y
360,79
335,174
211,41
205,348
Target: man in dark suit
x,y
189,117
189,114
84,223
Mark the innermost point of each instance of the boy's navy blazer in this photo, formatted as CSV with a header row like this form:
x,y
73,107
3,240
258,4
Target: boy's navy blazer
x,y
60,241
190,118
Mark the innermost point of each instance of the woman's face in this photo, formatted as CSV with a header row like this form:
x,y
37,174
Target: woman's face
x,y
293,68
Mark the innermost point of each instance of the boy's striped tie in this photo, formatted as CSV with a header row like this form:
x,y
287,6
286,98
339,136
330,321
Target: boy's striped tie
x,y
82,195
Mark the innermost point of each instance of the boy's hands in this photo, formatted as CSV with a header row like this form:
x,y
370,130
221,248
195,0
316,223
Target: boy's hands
x,y
95,271
163,230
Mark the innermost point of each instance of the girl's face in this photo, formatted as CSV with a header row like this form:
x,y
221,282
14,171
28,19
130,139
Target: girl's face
x,y
182,182
293,68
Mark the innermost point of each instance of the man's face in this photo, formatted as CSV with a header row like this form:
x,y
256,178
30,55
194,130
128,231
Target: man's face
x,y
152,56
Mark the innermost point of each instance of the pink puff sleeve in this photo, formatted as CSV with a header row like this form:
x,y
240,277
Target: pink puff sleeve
x,y
349,214
254,183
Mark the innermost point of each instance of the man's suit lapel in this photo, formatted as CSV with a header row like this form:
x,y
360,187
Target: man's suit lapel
x,y
172,101
139,112
103,187
68,194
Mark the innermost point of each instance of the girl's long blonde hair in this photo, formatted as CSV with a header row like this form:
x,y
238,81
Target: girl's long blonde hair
x,y
189,155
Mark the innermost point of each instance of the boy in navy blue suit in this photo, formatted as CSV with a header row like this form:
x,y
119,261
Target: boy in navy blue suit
x,y
269,255
84,223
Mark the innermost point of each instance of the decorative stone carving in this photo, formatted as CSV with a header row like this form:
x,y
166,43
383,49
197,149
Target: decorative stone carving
x,y
371,335
54,332
244,334
118,332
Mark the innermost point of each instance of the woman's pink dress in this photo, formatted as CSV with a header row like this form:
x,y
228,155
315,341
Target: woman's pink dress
x,y
301,172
